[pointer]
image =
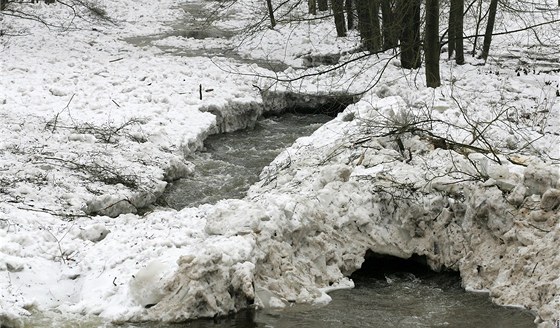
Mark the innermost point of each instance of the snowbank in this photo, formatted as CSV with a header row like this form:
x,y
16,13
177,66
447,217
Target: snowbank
x,y
100,126
319,207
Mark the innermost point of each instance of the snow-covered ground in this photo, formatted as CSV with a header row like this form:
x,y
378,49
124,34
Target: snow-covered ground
x,y
94,125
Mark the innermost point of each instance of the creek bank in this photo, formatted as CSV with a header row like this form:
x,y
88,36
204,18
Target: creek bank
x,y
345,193
230,163
279,101
320,206
229,116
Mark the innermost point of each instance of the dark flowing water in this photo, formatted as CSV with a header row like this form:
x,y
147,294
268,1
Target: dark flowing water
x,y
231,163
399,300
409,298
400,297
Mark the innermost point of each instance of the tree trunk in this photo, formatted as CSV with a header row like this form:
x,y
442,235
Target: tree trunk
x,y
323,5
339,21
312,4
489,29
376,29
349,14
368,24
271,13
451,29
390,35
431,44
410,33
458,31
364,23
478,20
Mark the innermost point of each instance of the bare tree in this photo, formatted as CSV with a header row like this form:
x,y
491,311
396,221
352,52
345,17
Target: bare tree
x,y
489,29
375,24
455,31
410,33
479,19
349,14
368,24
312,5
271,13
456,16
390,24
339,21
431,44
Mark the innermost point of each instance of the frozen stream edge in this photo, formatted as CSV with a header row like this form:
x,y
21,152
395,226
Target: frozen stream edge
x,y
307,225
298,233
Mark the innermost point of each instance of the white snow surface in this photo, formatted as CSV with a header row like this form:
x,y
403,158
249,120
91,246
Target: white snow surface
x,y
91,124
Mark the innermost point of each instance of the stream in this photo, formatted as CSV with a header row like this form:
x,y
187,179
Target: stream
x,y
402,299
230,163
399,296
385,294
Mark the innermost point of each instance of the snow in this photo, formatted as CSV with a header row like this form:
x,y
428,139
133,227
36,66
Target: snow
x,y
92,124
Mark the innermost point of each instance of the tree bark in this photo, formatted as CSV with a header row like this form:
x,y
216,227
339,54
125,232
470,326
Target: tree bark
x,y
364,22
478,20
410,33
349,14
323,5
368,24
451,29
431,44
312,4
458,31
375,25
390,27
271,13
339,21
489,29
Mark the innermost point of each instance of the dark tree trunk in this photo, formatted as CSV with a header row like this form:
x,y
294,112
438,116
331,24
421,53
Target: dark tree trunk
x,y
390,27
312,4
339,21
431,44
409,11
451,29
323,5
489,29
271,13
477,28
455,31
349,14
368,24
459,46
376,29
364,23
